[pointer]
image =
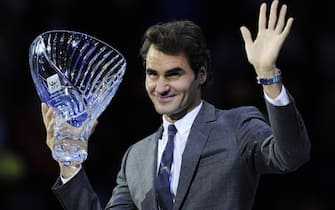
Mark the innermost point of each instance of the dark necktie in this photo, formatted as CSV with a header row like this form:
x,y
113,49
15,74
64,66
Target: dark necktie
x,y
164,195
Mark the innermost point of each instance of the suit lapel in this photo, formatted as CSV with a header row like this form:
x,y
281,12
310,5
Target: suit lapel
x,y
196,141
150,203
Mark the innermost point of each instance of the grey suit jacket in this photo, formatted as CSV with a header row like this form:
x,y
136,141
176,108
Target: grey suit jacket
x,y
226,152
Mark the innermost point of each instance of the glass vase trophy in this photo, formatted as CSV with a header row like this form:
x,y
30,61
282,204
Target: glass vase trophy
x,y
77,75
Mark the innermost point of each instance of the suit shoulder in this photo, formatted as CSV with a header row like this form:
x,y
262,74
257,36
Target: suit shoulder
x,y
238,116
249,110
242,111
145,142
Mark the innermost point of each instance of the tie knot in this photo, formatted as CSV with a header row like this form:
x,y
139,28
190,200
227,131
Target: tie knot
x,y
172,130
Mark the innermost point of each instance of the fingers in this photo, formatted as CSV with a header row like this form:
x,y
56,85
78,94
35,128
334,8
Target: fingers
x,y
262,17
273,15
281,19
287,27
278,24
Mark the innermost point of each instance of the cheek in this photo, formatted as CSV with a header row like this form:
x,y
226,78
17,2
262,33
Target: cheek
x,y
186,86
148,85
192,89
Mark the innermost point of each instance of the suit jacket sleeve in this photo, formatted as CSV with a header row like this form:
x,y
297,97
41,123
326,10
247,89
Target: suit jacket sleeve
x,y
76,194
281,147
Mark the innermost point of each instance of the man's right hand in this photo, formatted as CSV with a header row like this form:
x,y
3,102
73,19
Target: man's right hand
x,y
49,123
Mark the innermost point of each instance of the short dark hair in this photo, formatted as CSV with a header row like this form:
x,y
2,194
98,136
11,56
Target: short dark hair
x,y
175,37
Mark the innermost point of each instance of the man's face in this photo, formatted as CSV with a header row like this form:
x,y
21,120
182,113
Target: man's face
x,y
171,84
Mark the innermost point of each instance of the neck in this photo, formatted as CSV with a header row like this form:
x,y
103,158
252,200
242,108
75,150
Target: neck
x,y
172,118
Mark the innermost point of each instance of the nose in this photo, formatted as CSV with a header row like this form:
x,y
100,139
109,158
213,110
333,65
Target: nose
x,y
162,86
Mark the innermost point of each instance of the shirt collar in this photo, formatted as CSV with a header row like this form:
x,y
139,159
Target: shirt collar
x,y
184,124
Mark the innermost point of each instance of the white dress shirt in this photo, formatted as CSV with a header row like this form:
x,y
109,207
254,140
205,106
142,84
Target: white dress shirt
x,y
183,126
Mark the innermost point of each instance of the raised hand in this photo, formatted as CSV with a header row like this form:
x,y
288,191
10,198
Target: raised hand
x,y
49,123
262,52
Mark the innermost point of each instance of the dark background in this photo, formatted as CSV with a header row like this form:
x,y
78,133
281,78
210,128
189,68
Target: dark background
x,y
307,60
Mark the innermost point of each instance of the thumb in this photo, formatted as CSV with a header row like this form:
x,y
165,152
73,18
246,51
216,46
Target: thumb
x,y
94,126
246,35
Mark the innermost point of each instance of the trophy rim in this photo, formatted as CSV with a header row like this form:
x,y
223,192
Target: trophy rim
x,y
76,33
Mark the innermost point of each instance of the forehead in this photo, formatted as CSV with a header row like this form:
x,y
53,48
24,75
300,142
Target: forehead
x,y
158,60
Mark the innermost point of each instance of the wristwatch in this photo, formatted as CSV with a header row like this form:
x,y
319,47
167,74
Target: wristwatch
x,y
269,81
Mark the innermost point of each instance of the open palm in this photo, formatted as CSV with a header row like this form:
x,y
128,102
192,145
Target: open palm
x,y
262,52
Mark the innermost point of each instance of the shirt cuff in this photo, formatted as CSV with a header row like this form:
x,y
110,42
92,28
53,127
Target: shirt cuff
x,y
281,100
65,180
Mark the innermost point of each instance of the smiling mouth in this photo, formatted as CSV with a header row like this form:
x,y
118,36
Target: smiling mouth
x,y
164,99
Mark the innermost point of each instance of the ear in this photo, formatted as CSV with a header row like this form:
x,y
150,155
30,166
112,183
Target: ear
x,y
202,75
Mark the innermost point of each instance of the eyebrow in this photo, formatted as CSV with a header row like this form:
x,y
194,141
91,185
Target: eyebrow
x,y
169,71
175,70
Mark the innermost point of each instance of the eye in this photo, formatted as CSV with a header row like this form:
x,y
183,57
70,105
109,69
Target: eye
x,y
151,73
174,73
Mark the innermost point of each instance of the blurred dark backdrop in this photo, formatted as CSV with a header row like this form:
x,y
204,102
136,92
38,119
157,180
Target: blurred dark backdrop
x,y
307,60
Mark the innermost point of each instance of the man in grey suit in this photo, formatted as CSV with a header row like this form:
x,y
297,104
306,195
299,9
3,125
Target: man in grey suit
x,y
218,155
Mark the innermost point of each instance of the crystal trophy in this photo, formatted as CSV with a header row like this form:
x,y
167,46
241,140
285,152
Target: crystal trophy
x,y
78,75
